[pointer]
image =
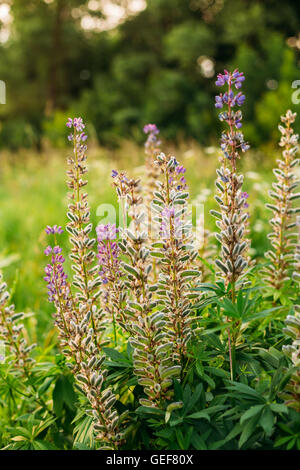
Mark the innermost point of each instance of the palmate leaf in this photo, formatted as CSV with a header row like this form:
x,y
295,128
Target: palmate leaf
x,y
117,357
230,309
63,394
253,411
262,314
83,431
244,392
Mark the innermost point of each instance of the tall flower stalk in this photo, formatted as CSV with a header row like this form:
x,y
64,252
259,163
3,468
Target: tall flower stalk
x,y
151,359
86,279
152,149
79,320
231,217
283,237
175,251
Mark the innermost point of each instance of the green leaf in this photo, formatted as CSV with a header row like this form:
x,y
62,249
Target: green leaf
x,y
63,394
248,430
267,420
282,440
279,408
200,415
115,355
253,410
291,443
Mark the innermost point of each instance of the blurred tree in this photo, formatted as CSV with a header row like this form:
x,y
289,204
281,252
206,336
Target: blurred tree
x,y
156,65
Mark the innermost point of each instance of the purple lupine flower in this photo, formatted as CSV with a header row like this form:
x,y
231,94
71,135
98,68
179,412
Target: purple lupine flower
x,y
107,232
180,169
55,277
222,79
114,173
245,195
151,129
165,226
230,140
219,101
240,98
83,137
55,229
108,252
48,250
239,78
152,143
78,124
244,146
168,212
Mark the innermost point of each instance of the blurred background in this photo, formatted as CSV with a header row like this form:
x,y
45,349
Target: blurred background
x,y
121,64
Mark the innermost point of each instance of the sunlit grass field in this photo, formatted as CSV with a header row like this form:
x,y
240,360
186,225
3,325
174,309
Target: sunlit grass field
x,y
33,194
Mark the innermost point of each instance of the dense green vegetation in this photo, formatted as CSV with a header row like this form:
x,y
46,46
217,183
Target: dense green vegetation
x,y
26,175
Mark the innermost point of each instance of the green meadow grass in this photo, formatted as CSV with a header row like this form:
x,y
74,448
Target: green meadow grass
x,y
33,194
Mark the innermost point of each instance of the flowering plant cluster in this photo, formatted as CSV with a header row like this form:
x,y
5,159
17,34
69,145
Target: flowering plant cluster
x,y
143,286
163,332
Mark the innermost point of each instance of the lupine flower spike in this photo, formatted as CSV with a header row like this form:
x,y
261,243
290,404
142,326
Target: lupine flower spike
x,y
231,217
151,359
175,252
78,318
86,278
283,236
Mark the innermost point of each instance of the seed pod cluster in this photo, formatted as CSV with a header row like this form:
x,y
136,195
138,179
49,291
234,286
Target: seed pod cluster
x,y
176,254
284,193
12,332
231,219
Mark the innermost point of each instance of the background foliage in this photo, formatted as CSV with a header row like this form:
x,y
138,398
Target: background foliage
x,y
157,65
